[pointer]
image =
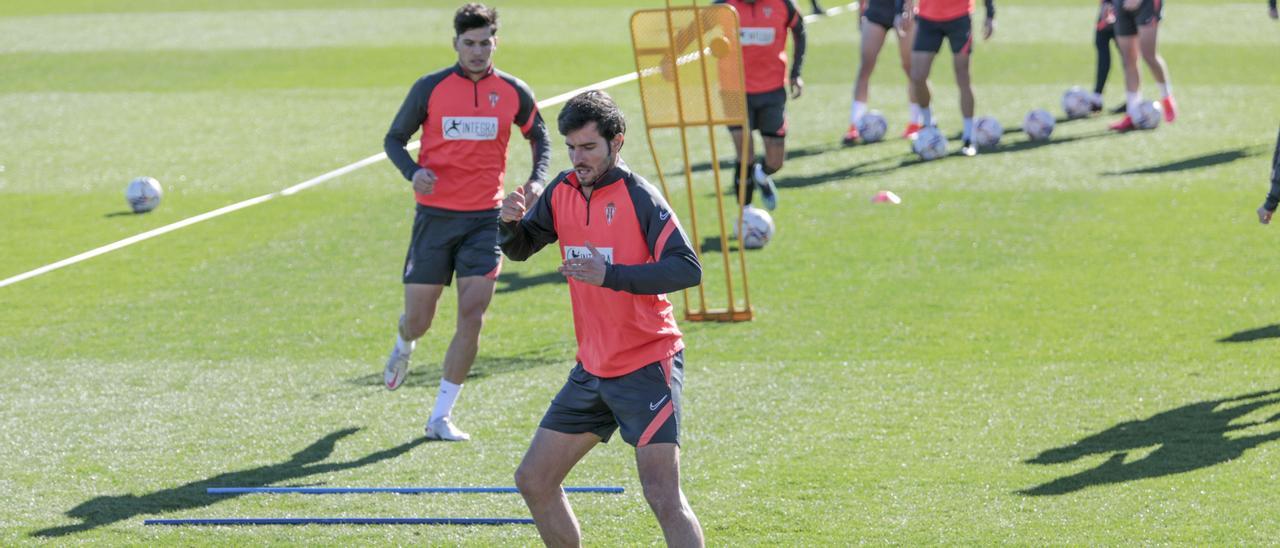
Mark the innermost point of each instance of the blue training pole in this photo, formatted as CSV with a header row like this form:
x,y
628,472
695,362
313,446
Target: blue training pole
x,y
398,490
340,521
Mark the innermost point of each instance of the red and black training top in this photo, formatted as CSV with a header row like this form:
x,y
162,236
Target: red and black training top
x,y
763,27
628,322
465,128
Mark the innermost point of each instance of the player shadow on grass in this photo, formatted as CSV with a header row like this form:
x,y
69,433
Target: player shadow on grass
x,y
1194,162
1187,438
727,164
105,510
1269,332
510,282
427,376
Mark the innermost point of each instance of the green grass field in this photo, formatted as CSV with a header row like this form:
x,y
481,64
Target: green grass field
x,y
1062,343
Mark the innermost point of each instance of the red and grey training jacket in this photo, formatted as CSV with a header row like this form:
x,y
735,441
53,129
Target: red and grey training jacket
x,y
763,27
628,322
465,128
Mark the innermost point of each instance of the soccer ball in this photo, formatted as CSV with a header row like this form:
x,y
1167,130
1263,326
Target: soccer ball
x,y
1038,125
757,228
872,127
929,143
143,194
987,131
1149,113
1077,103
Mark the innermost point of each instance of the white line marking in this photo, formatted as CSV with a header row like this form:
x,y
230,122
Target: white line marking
x,y
376,158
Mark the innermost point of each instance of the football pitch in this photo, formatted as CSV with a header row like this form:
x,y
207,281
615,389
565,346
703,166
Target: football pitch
x,y
1067,342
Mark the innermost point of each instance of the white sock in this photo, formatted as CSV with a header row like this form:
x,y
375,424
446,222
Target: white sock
x,y
1132,100
403,346
1166,89
859,108
445,399
759,175
926,116
1096,98
915,113
968,129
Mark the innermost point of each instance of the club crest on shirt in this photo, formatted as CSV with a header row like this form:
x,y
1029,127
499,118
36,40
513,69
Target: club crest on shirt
x,y
493,99
609,210
768,12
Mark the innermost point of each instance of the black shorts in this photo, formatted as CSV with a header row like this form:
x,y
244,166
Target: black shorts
x,y
958,31
767,113
645,403
880,12
1127,22
442,244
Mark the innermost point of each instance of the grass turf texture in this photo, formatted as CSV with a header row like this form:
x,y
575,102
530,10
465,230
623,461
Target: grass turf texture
x,y
1050,343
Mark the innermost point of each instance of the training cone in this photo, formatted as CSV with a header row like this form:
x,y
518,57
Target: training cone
x,y
886,197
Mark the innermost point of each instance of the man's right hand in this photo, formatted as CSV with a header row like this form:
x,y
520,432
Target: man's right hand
x,y
513,206
1264,216
424,181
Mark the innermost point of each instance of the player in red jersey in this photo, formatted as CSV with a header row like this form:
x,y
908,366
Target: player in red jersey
x,y
622,250
950,19
878,18
1137,31
465,113
764,25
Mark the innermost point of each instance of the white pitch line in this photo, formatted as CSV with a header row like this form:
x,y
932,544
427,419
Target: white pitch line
x,y
376,158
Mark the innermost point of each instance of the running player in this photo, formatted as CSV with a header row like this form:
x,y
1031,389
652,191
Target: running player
x,y
622,251
950,19
764,25
1271,9
1273,198
1137,25
878,18
465,113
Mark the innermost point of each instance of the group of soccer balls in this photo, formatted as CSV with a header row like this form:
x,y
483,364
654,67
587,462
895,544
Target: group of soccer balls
x,y
930,144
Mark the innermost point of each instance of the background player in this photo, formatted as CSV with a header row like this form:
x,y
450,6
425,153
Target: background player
x,y
764,25
950,19
878,18
465,113
1273,198
1137,30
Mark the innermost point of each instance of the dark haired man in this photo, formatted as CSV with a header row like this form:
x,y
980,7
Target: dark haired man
x,y
622,251
465,113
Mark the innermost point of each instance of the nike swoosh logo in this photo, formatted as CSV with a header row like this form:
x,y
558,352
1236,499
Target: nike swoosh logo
x,y
663,215
655,406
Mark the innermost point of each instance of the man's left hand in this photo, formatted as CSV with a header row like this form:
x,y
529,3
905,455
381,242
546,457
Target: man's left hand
x,y
988,28
588,270
797,87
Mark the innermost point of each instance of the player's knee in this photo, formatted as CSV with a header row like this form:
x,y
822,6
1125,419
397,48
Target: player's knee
x,y
415,325
530,485
663,498
471,319
773,166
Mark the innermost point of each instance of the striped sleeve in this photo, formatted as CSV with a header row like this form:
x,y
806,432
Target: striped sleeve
x,y
408,121
673,264
532,127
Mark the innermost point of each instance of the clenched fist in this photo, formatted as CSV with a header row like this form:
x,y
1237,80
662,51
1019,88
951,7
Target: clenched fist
x,y
513,206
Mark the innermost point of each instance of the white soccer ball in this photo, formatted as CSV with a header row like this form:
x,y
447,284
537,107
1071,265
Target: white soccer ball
x,y
143,194
757,228
1149,114
872,127
1077,103
1038,125
929,143
987,131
